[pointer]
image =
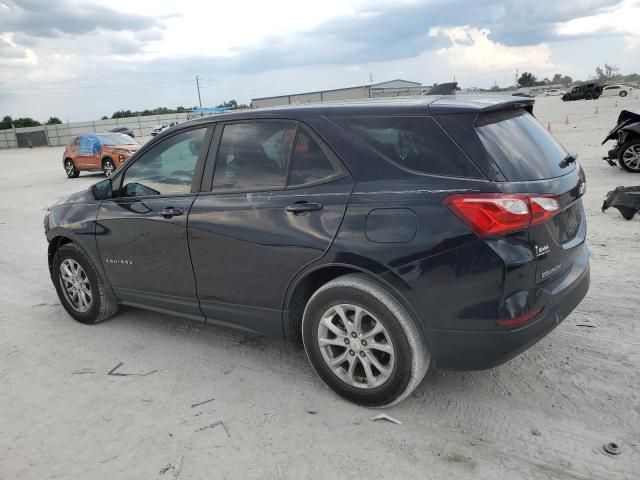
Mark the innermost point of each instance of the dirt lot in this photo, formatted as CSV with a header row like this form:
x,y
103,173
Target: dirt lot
x,y
544,415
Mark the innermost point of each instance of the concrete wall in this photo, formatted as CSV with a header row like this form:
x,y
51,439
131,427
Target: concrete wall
x,y
59,135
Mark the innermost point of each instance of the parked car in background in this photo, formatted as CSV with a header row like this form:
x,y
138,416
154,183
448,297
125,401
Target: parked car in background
x,y
616,91
553,92
385,234
626,134
588,91
125,130
97,151
523,94
161,128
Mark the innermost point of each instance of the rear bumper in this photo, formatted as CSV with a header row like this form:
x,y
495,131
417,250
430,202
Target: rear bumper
x,y
465,350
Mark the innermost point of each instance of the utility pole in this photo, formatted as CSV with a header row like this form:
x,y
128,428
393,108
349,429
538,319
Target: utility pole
x,y
198,87
371,78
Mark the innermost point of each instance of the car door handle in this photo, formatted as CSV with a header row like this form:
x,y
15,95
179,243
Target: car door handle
x,y
302,207
170,212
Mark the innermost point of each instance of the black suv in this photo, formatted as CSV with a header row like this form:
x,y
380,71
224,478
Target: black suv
x,y
588,91
385,234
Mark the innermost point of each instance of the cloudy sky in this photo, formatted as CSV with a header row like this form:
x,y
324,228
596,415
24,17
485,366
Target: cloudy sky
x,y
80,60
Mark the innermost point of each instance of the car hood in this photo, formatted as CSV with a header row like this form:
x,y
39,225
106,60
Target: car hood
x,y
129,146
626,117
85,196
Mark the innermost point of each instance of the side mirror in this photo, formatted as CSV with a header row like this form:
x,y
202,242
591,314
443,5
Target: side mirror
x,y
102,190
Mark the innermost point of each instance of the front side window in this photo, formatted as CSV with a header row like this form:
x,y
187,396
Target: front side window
x,y
253,156
166,169
416,143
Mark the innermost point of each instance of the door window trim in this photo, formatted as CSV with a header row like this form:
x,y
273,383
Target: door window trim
x,y
197,173
206,186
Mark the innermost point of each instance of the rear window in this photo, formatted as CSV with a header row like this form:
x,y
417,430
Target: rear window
x,y
416,143
522,148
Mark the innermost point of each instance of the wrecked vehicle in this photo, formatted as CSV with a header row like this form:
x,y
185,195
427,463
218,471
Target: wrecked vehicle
x,y
627,135
625,199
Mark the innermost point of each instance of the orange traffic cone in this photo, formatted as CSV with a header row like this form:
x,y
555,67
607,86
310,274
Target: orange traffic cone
x,y
549,126
566,120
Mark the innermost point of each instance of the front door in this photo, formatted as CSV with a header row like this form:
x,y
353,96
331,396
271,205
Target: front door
x,y
88,153
141,232
276,201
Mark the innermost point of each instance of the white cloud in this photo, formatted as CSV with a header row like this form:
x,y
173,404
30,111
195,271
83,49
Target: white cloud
x,y
473,49
622,19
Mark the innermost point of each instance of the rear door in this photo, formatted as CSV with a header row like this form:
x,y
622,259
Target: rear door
x,y
275,196
532,161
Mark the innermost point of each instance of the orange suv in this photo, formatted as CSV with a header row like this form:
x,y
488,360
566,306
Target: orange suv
x,y
97,151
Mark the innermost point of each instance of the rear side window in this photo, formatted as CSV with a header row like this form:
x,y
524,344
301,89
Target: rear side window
x,y
253,156
308,162
416,143
522,148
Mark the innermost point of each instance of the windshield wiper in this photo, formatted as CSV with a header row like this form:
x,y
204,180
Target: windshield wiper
x,y
568,160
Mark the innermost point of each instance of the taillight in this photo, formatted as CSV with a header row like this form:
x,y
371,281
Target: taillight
x,y
489,214
519,321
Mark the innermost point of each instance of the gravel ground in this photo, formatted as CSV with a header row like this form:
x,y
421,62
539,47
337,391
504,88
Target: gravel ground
x,y
544,415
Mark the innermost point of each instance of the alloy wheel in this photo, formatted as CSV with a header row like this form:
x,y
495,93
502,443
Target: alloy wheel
x,y
69,167
631,157
76,286
356,346
108,168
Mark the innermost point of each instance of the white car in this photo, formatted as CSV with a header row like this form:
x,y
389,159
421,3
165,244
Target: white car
x,y
161,128
553,92
616,91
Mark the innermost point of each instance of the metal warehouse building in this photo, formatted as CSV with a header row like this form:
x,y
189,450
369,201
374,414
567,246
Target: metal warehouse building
x,y
392,88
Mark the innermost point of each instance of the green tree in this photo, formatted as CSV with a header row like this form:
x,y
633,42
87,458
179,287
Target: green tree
x,y
527,80
6,123
104,117
53,121
26,122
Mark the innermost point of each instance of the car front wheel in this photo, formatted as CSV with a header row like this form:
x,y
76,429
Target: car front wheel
x,y
623,93
80,288
108,167
70,169
362,342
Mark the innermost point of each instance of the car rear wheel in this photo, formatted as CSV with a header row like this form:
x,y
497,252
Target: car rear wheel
x,y
70,169
362,342
629,156
588,96
80,288
108,167
623,93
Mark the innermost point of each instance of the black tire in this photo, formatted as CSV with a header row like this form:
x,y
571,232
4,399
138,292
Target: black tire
x,y
588,96
623,93
634,142
411,356
103,303
70,169
108,167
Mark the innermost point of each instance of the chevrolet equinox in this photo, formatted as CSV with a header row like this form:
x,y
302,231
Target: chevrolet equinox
x,y
387,235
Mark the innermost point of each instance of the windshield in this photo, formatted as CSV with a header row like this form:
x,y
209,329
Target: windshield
x,y
117,139
522,148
